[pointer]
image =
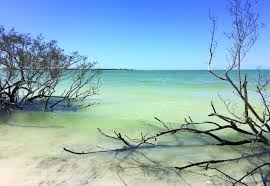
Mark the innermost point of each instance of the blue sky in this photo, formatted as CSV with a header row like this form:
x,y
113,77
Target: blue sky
x,y
138,34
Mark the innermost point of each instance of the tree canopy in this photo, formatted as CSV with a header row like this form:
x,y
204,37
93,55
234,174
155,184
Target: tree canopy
x,y
33,70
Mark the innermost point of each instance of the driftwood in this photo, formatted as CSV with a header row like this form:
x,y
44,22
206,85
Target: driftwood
x,y
251,123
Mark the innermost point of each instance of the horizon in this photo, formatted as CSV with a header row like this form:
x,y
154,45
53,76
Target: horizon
x,y
175,69
143,35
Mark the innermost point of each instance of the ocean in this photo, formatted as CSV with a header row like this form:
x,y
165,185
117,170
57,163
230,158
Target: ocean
x,y
32,142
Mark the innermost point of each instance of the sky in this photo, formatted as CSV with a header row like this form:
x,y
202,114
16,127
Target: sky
x,y
137,34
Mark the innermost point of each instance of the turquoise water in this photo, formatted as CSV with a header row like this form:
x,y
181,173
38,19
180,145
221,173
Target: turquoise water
x,y
128,101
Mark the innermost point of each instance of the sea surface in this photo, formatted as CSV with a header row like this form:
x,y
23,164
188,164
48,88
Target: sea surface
x,y
31,143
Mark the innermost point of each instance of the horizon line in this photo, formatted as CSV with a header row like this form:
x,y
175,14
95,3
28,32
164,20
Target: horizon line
x,y
131,69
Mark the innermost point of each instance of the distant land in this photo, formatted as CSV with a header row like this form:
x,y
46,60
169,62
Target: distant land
x,y
114,69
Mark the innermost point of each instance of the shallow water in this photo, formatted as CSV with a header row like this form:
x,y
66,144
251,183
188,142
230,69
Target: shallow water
x,y
32,143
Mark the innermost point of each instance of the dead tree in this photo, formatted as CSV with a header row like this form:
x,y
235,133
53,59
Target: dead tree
x,y
35,71
251,123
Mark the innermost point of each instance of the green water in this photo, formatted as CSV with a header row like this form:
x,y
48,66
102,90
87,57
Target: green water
x,y
32,143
